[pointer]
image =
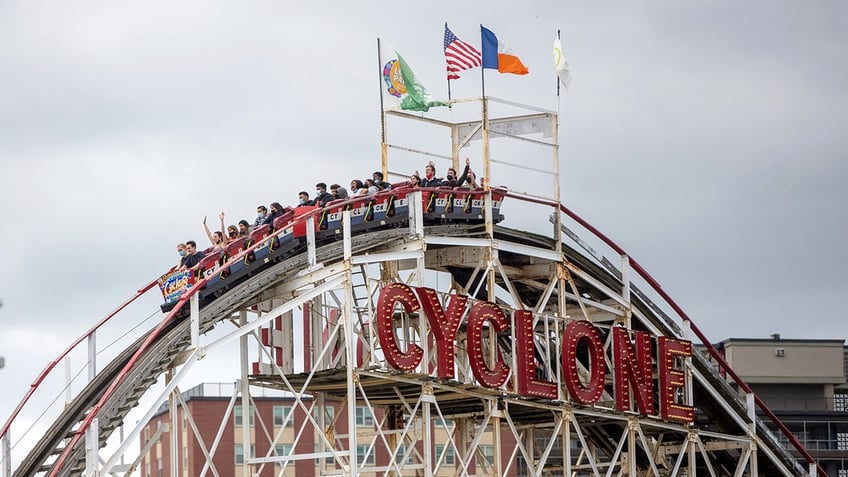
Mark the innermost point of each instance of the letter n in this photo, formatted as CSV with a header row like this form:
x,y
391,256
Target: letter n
x,y
632,366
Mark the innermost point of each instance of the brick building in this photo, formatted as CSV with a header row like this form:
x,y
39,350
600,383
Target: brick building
x,y
219,418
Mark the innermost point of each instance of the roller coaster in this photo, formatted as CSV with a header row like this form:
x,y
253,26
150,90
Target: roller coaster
x,y
428,301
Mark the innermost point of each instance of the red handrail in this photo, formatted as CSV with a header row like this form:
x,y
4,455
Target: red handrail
x,y
92,414
52,364
707,344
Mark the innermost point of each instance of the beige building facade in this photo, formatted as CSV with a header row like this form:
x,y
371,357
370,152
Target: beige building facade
x,y
804,382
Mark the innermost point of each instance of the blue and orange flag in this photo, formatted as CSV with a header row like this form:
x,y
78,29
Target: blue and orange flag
x,y
497,55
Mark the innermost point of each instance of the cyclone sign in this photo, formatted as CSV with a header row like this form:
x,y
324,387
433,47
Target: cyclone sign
x,y
629,361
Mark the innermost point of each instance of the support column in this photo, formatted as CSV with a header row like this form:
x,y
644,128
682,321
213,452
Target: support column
x,y
461,435
287,345
92,356
427,428
321,406
692,449
350,351
92,449
6,455
173,441
632,425
244,385
530,446
566,441
496,438
751,405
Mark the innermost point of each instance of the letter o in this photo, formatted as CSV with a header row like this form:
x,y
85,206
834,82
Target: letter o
x,y
574,333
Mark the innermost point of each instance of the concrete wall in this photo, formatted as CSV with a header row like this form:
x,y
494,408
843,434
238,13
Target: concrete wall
x,y
813,362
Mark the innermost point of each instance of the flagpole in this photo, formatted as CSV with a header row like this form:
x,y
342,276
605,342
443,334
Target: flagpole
x,y
384,151
482,66
557,77
485,120
557,192
446,70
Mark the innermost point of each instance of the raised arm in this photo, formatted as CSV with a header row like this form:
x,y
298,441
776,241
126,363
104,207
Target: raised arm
x,y
461,179
208,232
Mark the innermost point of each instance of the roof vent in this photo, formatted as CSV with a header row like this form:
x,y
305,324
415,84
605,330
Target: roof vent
x,y
775,336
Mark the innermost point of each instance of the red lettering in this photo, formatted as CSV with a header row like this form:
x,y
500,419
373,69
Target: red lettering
x,y
632,367
480,314
672,379
582,353
574,333
391,294
444,327
528,385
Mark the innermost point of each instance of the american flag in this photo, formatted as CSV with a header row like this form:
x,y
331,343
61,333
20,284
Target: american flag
x,y
459,55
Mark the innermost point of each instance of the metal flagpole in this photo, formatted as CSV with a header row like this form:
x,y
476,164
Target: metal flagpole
x,y
485,118
384,151
557,78
447,75
557,192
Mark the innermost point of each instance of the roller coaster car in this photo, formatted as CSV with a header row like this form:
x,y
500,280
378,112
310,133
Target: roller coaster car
x,y
461,204
366,212
286,236
280,241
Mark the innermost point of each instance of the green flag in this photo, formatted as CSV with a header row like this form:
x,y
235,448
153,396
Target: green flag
x,y
417,98
401,87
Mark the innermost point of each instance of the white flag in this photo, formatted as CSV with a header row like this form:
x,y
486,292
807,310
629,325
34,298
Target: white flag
x,y
392,81
560,65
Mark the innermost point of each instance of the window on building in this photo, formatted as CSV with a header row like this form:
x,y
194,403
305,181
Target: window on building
x,y
239,449
448,451
840,402
363,456
364,416
842,441
159,467
488,452
237,415
842,473
400,455
280,413
320,449
282,450
329,414
444,424
185,457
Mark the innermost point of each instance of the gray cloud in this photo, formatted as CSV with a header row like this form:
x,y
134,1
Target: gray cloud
x,y
708,140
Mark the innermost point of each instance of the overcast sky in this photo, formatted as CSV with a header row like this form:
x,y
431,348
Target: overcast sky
x,y
708,139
